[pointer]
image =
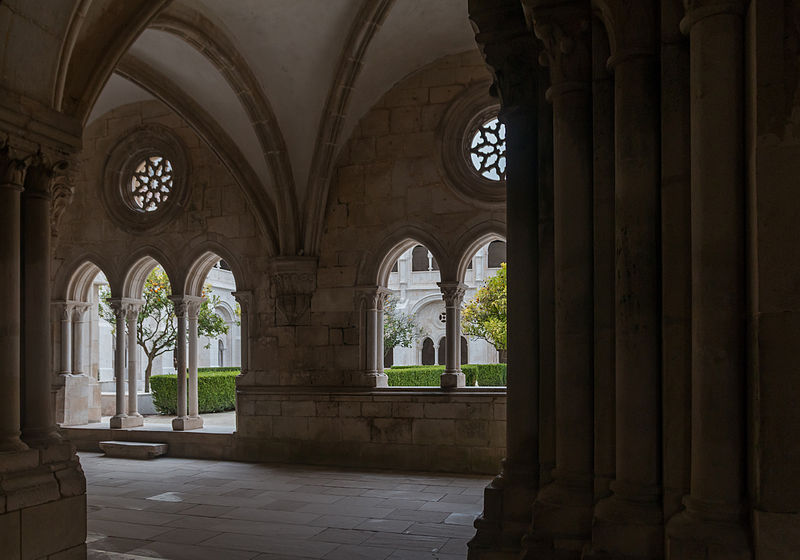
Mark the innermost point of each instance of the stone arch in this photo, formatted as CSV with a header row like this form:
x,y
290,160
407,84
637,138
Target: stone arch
x,y
202,259
474,239
376,266
140,265
74,281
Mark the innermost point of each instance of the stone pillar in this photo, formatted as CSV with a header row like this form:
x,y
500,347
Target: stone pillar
x,y
453,295
192,311
245,300
133,418
562,513
713,523
38,425
12,174
78,332
629,523
182,420
67,312
374,298
120,311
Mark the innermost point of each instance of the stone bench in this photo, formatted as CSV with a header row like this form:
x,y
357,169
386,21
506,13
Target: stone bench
x,y
133,449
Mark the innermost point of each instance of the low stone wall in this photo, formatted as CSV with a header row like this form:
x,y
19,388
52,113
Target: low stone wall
x,y
42,504
460,431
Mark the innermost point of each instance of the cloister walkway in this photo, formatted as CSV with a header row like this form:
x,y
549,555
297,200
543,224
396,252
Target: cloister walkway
x,y
212,510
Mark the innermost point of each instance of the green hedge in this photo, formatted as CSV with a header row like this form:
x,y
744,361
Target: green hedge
x,y
216,391
488,375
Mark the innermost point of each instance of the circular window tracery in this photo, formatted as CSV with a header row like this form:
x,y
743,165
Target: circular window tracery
x,y
151,183
487,150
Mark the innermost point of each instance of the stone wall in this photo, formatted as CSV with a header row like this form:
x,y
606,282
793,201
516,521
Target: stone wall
x,y
42,504
414,429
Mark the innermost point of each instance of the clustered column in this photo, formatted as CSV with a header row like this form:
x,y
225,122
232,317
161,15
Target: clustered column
x,y
375,299
192,311
453,294
12,172
563,510
78,331
119,308
132,316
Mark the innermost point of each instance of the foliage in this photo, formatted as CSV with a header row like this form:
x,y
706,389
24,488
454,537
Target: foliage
x,y
487,375
399,329
156,327
484,316
216,391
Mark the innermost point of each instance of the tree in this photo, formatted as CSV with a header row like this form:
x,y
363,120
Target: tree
x,y
399,329
156,327
484,316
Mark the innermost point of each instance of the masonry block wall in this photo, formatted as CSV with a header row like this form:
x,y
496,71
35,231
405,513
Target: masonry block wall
x,y
302,396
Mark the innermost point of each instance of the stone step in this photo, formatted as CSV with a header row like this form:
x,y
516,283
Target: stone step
x,y
133,449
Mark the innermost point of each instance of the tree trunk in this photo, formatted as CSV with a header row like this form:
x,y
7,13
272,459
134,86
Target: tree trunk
x,y
147,372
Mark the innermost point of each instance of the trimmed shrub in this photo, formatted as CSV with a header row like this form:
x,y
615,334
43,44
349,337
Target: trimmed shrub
x,y
487,375
216,391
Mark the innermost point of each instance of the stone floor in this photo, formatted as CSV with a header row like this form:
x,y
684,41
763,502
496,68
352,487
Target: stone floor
x,y
215,510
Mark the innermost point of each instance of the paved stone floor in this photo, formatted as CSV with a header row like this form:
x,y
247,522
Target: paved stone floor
x,y
218,510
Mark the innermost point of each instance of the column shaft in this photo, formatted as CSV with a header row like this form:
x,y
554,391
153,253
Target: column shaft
x,y
133,417
11,180
119,309
66,338
78,328
453,293
180,346
193,310
714,516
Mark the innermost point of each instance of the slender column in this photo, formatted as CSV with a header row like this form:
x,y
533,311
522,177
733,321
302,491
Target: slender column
x,y
67,312
244,300
132,317
120,311
713,524
179,304
453,294
562,513
12,173
630,521
375,297
78,331
192,311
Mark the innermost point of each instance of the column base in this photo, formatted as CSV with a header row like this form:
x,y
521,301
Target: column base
x,y
187,423
708,531
376,379
453,379
42,438
562,515
627,528
118,422
12,444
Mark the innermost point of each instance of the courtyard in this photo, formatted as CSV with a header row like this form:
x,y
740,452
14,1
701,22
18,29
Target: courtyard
x,y
218,510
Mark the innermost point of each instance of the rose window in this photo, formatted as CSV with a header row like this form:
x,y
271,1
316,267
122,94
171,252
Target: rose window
x,y
151,183
488,150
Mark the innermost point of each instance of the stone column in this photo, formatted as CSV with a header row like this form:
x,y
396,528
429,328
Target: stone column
x,y
713,523
629,522
38,426
181,422
453,295
78,331
244,299
374,375
133,418
562,513
120,311
12,174
192,311
67,343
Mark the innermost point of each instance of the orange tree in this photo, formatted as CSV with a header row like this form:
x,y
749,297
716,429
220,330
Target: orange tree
x,y
485,315
156,327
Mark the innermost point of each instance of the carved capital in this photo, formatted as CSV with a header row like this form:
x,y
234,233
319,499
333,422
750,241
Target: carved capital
x,y
193,305
132,310
565,31
66,310
180,305
79,311
62,191
244,298
119,308
294,280
375,297
509,50
452,293
12,168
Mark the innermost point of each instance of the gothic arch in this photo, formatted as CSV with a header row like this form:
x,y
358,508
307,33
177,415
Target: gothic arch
x,y
376,266
474,239
139,265
74,280
202,259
